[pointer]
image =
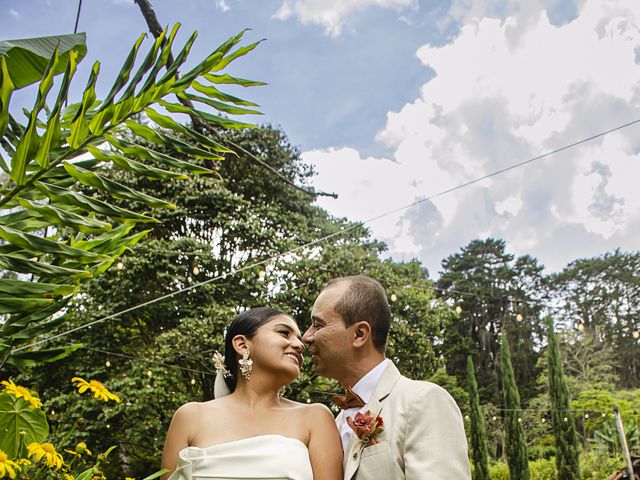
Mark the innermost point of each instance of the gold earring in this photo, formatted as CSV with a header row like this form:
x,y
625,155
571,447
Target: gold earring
x,y
246,365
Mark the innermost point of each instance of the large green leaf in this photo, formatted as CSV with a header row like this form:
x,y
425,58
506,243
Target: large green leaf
x,y
116,190
35,243
27,58
130,148
21,265
16,416
22,360
89,204
18,305
125,163
34,289
61,216
6,86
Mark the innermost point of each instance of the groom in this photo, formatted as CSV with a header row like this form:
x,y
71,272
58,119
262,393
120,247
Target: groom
x,y
423,434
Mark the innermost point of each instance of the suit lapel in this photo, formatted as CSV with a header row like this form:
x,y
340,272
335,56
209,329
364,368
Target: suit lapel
x,y
388,379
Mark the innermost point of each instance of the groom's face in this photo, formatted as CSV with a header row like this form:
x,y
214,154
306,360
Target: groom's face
x,y
327,338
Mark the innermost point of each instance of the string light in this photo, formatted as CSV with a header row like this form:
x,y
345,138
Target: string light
x,y
458,309
581,327
193,381
636,334
394,297
149,373
120,265
107,364
196,270
261,275
544,420
519,317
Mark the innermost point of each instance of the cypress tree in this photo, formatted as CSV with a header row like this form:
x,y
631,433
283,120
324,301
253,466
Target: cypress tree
x,y
567,456
516,447
478,443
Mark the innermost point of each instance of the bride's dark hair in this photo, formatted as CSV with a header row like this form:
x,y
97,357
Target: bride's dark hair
x,y
247,324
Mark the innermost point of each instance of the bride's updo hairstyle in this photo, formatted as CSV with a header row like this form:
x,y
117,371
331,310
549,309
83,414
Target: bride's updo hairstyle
x,y
247,324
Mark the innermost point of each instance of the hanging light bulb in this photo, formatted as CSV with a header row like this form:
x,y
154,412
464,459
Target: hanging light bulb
x,y
494,418
519,317
196,270
107,364
519,419
458,309
149,373
193,381
586,415
120,265
394,297
466,417
544,420
636,334
565,419
261,274
581,327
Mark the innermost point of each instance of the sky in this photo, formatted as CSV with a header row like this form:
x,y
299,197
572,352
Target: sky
x,y
395,101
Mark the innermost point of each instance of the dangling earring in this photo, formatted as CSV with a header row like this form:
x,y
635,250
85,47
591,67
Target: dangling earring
x,y
281,391
246,365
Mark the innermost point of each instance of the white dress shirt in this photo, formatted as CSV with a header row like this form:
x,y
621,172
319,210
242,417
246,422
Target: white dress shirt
x,y
364,388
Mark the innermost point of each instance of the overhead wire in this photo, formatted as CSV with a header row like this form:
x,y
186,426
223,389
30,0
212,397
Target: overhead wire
x,y
332,235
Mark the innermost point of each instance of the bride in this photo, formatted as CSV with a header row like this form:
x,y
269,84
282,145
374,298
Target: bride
x,y
250,431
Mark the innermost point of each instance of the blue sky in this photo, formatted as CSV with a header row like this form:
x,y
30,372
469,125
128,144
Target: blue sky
x,y
395,100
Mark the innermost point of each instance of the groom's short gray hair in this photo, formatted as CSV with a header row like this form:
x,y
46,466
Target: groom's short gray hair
x,y
365,300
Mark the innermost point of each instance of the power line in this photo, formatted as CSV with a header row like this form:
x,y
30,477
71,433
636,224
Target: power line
x,y
146,360
332,235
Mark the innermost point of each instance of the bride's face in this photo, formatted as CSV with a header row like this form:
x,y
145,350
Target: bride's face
x,y
277,347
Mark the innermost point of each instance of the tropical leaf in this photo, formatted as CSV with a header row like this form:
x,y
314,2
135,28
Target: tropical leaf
x,y
17,415
115,189
28,58
22,360
60,224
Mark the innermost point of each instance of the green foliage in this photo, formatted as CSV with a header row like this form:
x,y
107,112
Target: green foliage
x,y
478,443
20,424
516,446
567,454
602,296
27,59
495,291
61,223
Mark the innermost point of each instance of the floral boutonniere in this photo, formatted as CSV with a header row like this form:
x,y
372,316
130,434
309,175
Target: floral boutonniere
x,y
367,427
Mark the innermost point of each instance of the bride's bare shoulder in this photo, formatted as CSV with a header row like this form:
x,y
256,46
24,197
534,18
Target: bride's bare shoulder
x,y
192,410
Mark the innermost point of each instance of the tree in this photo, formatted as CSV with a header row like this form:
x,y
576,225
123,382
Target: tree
x,y
567,454
601,296
478,443
516,446
494,290
60,224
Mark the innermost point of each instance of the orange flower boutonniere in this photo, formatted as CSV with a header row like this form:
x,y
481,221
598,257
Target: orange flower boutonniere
x,y
367,427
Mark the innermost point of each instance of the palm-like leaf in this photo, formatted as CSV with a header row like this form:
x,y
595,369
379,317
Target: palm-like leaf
x,y
59,222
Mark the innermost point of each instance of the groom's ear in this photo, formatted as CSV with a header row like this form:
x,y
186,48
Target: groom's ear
x,y
361,334
240,344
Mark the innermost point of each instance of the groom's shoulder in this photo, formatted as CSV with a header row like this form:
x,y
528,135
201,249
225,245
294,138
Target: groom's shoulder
x,y
421,390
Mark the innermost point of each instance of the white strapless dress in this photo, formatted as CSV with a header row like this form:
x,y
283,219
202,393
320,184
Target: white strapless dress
x,y
273,457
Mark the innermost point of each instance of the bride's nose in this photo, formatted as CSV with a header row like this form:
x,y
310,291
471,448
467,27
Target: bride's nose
x,y
298,345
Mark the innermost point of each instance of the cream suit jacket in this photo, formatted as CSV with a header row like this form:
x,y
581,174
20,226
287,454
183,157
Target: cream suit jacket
x,y
423,437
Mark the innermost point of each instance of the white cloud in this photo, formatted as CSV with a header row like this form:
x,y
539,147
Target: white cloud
x,y
222,5
14,13
332,14
507,90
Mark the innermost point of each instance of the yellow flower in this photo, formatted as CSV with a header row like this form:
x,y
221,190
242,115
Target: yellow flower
x,y
129,478
22,392
81,447
46,450
23,461
7,467
69,477
99,390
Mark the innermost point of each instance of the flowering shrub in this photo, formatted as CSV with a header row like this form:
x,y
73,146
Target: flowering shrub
x,y
24,452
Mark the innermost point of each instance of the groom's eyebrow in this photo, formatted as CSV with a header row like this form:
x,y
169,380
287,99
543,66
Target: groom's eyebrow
x,y
315,318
